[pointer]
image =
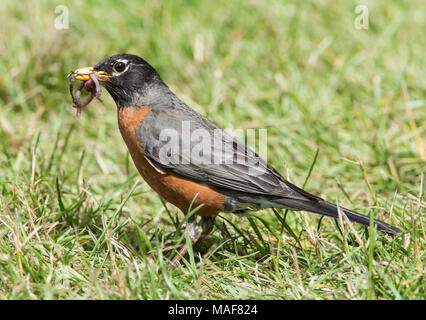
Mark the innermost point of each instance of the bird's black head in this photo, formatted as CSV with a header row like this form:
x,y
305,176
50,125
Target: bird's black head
x,y
127,78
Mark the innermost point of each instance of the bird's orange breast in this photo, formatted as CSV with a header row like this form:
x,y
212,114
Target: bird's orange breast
x,y
171,187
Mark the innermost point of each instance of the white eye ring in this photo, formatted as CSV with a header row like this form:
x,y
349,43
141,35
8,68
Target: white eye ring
x,y
121,64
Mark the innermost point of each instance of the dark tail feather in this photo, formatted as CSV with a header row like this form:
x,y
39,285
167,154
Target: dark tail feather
x,y
329,209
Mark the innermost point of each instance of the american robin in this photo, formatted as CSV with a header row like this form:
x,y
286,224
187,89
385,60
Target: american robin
x,y
190,161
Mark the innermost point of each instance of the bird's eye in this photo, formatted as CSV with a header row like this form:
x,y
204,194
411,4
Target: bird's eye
x,y
119,66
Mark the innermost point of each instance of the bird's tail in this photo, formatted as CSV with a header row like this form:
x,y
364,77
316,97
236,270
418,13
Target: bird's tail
x,y
329,209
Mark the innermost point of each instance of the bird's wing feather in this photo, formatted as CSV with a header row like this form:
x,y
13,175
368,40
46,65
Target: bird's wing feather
x,y
224,162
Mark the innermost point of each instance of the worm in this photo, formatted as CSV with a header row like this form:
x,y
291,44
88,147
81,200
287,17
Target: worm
x,y
91,85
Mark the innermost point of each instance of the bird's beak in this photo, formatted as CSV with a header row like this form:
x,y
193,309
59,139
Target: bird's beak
x,y
84,74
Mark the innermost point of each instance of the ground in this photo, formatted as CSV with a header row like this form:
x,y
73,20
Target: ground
x,y
344,107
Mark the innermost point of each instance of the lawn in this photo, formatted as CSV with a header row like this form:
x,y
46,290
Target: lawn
x,y
345,114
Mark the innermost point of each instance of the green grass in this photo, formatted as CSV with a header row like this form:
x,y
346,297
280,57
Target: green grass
x,y
77,221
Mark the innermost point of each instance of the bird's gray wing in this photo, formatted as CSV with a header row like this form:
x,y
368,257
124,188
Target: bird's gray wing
x,y
186,143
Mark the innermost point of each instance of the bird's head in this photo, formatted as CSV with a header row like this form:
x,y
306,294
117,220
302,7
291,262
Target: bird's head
x,y
126,77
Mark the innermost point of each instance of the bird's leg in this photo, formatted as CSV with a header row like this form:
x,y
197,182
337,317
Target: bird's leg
x,y
197,232
194,234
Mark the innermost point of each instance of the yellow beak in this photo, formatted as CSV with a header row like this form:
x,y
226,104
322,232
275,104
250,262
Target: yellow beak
x,y
84,74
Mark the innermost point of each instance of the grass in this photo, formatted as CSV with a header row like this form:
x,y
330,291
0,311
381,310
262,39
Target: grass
x,y
345,111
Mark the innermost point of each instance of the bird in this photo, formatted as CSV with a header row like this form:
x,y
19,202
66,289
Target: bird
x,y
190,161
